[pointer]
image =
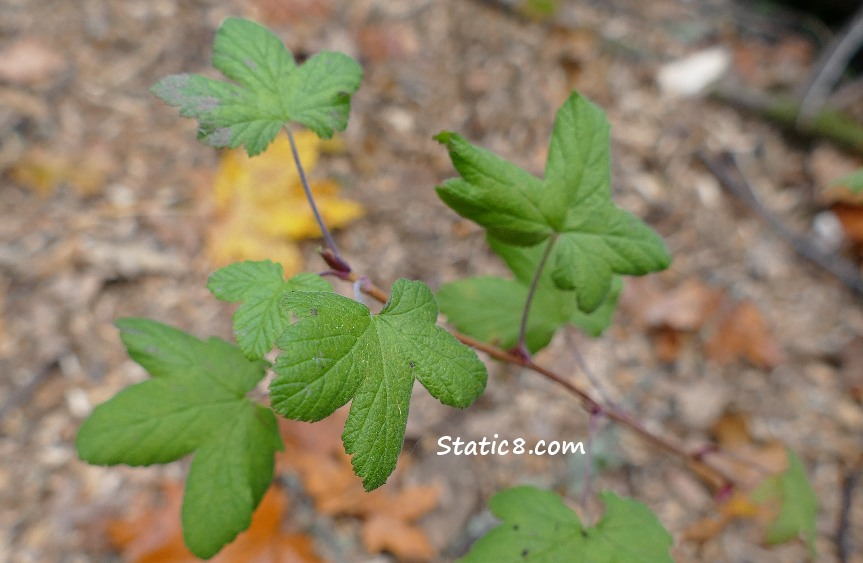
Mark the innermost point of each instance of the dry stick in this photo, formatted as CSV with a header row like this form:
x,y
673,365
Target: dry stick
x,y
741,188
829,68
849,482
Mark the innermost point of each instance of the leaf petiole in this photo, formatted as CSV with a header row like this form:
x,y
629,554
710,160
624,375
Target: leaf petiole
x,y
328,237
534,283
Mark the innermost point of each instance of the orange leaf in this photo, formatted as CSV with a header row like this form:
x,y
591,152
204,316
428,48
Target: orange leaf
x,y
156,536
743,333
851,218
315,452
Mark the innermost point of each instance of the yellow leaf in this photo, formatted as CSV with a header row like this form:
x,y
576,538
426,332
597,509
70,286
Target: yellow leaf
x,y
261,207
43,171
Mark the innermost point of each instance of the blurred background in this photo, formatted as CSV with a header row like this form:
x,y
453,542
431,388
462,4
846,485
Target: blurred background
x,y
110,208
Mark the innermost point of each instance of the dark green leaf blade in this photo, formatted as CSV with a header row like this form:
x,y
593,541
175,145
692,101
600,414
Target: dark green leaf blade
x,y
337,351
260,320
497,194
228,478
272,90
252,55
599,243
595,239
489,308
627,531
578,166
159,349
448,370
197,403
537,527
317,374
318,95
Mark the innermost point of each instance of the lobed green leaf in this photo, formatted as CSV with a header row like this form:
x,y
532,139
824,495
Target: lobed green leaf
x,y
195,403
260,320
538,528
595,239
270,90
490,308
338,351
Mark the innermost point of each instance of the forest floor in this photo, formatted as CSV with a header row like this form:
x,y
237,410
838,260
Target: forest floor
x,y
106,212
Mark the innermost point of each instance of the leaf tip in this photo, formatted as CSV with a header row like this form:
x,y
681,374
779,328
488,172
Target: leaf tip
x,y
444,137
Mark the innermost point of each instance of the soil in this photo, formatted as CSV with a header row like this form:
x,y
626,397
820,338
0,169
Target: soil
x,y
123,234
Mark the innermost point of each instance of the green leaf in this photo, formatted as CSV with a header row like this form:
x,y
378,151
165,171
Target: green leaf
x,y
538,528
195,402
853,181
601,240
595,239
270,90
490,308
495,193
796,505
338,351
260,320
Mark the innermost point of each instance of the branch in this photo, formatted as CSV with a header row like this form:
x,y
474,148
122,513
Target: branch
x,y
830,124
828,69
697,458
730,176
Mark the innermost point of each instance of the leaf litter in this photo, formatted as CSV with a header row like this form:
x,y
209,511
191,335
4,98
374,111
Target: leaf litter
x,y
65,307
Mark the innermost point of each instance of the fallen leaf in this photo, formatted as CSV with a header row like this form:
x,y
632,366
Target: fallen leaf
x,y
43,171
156,536
381,42
738,506
752,464
280,12
389,513
742,333
260,207
672,316
686,307
851,218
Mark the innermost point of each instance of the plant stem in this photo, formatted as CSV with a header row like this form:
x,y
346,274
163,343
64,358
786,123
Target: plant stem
x,y
522,330
697,458
328,238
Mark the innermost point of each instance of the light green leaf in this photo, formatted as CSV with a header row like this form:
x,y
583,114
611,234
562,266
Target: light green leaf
x,y
260,320
538,528
338,351
853,181
270,90
490,308
195,402
595,239
795,503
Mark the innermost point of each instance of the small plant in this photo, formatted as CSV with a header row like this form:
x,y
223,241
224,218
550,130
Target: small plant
x,y
563,238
